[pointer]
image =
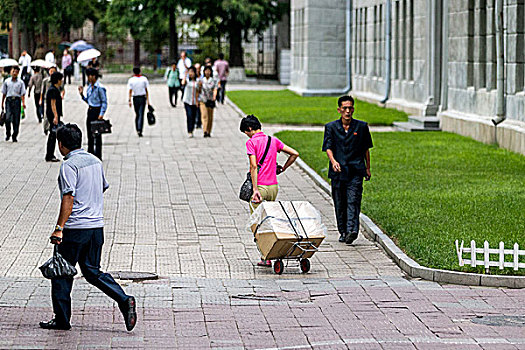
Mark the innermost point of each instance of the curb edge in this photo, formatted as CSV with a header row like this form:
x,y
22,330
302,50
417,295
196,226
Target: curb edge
x,y
407,264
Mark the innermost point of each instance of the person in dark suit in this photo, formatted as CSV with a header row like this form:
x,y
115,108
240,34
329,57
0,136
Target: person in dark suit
x,y
347,143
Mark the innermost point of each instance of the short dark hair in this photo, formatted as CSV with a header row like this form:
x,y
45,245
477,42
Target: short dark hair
x,y
343,99
70,136
56,77
136,70
192,68
250,123
208,68
36,69
92,71
15,68
221,56
173,63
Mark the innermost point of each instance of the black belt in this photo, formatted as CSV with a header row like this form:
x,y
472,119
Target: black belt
x,y
142,96
13,97
93,107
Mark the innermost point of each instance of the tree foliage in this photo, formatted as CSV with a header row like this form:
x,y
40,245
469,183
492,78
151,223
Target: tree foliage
x,y
236,18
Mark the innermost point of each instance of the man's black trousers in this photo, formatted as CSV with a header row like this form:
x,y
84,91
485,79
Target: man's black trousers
x,y
347,201
13,107
139,103
94,141
83,246
38,106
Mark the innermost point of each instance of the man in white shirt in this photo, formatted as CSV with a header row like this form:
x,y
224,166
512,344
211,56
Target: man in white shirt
x,y
183,65
138,91
25,63
50,56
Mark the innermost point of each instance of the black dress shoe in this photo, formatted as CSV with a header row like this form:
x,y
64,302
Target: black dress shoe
x,y
140,134
54,325
342,238
15,140
7,138
53,160
351,237
129,312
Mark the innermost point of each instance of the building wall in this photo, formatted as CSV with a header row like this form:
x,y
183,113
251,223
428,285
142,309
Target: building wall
x,y
318,38
443,59
409,64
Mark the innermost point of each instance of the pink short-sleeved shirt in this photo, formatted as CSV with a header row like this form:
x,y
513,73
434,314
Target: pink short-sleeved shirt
x,y
256,146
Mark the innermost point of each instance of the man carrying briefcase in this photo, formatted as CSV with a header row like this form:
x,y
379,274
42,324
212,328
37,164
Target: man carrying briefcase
x,y
97,100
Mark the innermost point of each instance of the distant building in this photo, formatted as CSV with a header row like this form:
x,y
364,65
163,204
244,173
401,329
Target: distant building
x,y
443,60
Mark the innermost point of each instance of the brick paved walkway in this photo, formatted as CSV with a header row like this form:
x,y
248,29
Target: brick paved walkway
x,y
172,208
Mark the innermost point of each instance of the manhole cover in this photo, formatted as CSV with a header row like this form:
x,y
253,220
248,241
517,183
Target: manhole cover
x,y
134,276
512,321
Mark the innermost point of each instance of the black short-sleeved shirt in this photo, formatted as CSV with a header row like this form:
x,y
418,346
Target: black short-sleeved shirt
x,y
349,148
53,94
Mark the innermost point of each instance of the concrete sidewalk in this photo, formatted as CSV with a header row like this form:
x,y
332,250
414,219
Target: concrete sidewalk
x,y
172,209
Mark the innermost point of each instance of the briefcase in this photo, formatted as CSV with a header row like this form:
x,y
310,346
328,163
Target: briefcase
x,y
101,127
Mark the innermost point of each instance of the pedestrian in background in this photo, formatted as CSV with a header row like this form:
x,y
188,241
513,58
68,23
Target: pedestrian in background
x,y
138,91
198,118
207,97
183,65
67,66
13,97
50,56
36,82
25,62
97,101
79,232
173,80
347,143
40,52
264,171
54,114
223,70
46,83
191,100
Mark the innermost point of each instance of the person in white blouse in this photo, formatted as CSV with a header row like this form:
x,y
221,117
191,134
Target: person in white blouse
x,y
50,56
25,64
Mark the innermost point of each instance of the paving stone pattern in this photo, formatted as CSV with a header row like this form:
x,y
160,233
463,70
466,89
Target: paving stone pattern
x,y
172,208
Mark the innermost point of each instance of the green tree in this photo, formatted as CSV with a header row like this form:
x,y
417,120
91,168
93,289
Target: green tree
x,y
236,18
147,21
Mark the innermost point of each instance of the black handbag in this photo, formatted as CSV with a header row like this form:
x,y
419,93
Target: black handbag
x,y
2,118
150,115
210,104
246,191
57,267
101,127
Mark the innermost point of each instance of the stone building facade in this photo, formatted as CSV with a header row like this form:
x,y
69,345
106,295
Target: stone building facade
x,y
442,60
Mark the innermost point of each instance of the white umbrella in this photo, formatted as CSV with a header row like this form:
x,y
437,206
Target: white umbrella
x,y
88,55
42,64
8,62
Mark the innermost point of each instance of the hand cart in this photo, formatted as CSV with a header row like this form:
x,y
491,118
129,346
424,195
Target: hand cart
x,y
287,231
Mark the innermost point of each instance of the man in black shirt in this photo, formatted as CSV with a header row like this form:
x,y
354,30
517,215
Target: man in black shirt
x,y
347,143
53,113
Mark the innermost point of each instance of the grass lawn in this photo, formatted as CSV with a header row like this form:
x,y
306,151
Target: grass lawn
x,y
286,107
429,189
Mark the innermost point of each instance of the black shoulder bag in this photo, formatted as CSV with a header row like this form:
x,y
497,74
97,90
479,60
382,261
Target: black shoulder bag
x,y
246,191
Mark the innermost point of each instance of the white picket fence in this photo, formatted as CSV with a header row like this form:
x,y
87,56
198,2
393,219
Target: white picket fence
x,y
486,253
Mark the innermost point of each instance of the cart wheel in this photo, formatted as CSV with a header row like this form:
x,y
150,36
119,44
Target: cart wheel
x,y
278,267
305,265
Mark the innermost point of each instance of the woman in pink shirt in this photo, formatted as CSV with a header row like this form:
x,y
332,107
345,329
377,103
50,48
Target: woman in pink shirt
x,y
264,176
